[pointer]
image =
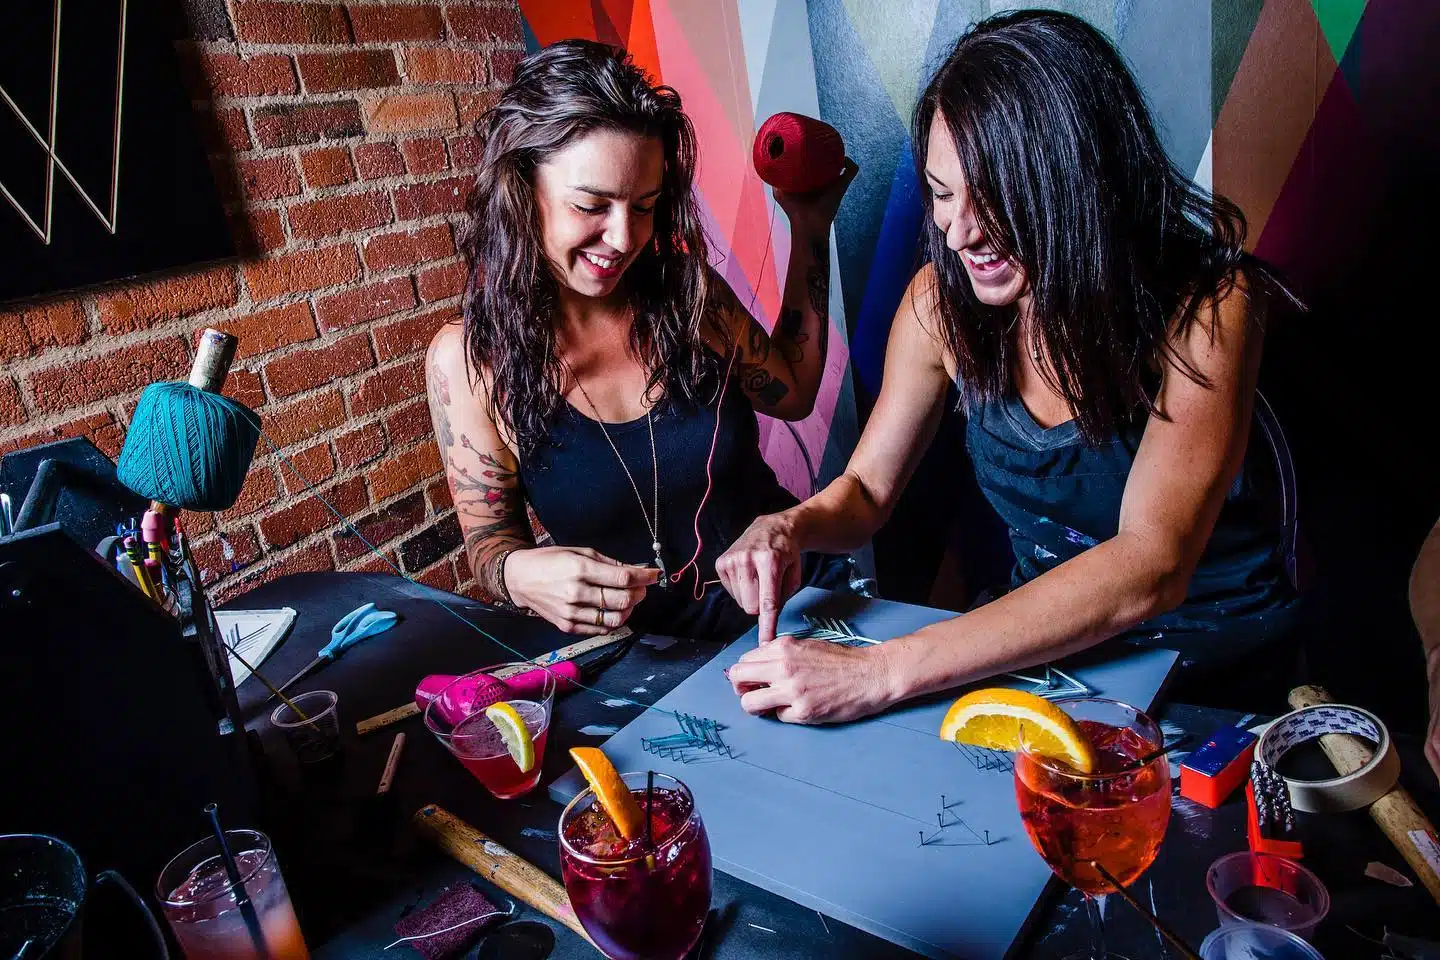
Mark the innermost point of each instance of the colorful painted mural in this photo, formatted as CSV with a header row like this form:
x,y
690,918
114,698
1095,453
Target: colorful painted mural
x,y
1319,117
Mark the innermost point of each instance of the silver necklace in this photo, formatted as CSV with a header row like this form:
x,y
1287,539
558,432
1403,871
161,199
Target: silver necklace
x,y
652,518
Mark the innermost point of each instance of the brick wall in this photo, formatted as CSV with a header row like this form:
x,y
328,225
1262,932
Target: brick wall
x,y
339,138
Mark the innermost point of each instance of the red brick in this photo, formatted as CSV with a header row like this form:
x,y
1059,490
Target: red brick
x,y
408,424
401,517
266,74
412,334
313,466
269,178
441,577
267,330
125,370
336,215
439,494
445,65
138,307
194,524
424,155
306,369
360,445
465,151
376,160
12,410
222,171
388,563
101,429
386,388
365,303
349,496
408,112
405,248
264,22
223,131
352,70
403,471
380,24
313,558
260,490
438,283
327,167
258,231
304,419
57,324
210,554
303,270
291,124
471,105
413,201
244,386
503,64
486,24
462,567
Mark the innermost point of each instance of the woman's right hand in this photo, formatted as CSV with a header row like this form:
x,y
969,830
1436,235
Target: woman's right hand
x,y
579,590
762,569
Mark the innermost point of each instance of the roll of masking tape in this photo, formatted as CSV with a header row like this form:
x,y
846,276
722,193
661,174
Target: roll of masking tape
x,y
1352,791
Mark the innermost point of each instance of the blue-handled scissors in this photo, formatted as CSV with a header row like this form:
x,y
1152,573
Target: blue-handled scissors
x,y
364,621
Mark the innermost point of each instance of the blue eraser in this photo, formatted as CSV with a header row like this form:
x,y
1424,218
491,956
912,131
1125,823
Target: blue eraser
x,y
1223,746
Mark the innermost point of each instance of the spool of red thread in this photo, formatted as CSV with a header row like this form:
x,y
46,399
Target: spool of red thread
x,y
797,153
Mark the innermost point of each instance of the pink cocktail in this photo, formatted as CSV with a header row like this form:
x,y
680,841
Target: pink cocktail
x,y
476,741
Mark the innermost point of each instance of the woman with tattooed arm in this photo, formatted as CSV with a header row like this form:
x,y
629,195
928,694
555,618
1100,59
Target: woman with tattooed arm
x,y
599,348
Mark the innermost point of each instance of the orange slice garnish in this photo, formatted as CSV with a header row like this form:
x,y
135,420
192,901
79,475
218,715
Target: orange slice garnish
x,y
992,718
610,791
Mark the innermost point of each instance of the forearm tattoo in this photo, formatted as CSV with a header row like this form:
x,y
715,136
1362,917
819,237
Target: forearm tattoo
x,y
755,379
817,284
486,494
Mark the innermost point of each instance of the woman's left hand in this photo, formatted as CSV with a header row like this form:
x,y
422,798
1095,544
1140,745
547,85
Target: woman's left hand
x,y
811,681
813,212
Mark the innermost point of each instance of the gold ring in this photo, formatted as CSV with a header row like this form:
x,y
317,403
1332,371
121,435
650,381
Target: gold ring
x,y
599,618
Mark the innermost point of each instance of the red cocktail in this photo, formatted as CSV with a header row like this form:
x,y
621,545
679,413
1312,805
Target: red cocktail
x,y
643,899
476,740
1114,816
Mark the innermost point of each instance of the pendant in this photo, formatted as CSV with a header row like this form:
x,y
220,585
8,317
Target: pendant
x,y
664,580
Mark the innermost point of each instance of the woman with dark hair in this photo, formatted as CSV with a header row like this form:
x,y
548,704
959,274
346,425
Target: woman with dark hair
x,y
605,377
1103,324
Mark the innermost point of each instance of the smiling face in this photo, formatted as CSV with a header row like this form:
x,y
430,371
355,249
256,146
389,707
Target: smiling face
x,y
596,201
996,281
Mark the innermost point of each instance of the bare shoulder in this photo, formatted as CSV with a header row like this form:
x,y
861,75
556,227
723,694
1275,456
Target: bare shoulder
x,y
1228,326
447,348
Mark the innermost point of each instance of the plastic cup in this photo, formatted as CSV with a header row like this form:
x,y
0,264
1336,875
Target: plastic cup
x,y
1256,941
1261,888
318,738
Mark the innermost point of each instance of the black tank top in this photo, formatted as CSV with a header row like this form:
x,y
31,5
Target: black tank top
x,y
583,498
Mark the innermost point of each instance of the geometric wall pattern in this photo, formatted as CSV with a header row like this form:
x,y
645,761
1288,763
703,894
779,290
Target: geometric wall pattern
x,y
1288,107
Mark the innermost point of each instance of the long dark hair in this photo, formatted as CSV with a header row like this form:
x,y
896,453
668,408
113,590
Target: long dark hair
x,y
560,94
1068,179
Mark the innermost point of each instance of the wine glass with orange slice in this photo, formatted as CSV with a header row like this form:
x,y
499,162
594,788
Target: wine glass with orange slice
x,y
1091,779
636,861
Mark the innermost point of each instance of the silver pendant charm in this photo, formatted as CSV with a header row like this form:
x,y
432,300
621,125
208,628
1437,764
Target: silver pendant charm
x,y
664,580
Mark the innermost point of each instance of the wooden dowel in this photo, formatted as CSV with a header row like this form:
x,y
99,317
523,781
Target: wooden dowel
x,y
516,876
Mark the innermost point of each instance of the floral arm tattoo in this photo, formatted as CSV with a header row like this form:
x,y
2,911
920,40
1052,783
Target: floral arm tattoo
x,y
792,356
486,489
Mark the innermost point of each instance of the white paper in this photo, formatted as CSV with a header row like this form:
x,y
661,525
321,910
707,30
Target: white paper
x,y
260,632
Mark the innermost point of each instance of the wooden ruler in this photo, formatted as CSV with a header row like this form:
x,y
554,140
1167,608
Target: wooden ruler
x,y
515,875
390,717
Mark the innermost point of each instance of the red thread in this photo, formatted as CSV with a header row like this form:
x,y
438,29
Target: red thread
x,y
797,153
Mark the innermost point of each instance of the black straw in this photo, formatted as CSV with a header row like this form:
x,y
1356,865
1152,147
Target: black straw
x,y
1155,921
232,869
649,807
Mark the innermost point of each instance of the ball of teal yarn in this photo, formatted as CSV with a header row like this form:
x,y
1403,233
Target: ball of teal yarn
x,y
188,448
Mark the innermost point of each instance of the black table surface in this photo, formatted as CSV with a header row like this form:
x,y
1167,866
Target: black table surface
x,y
354,867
